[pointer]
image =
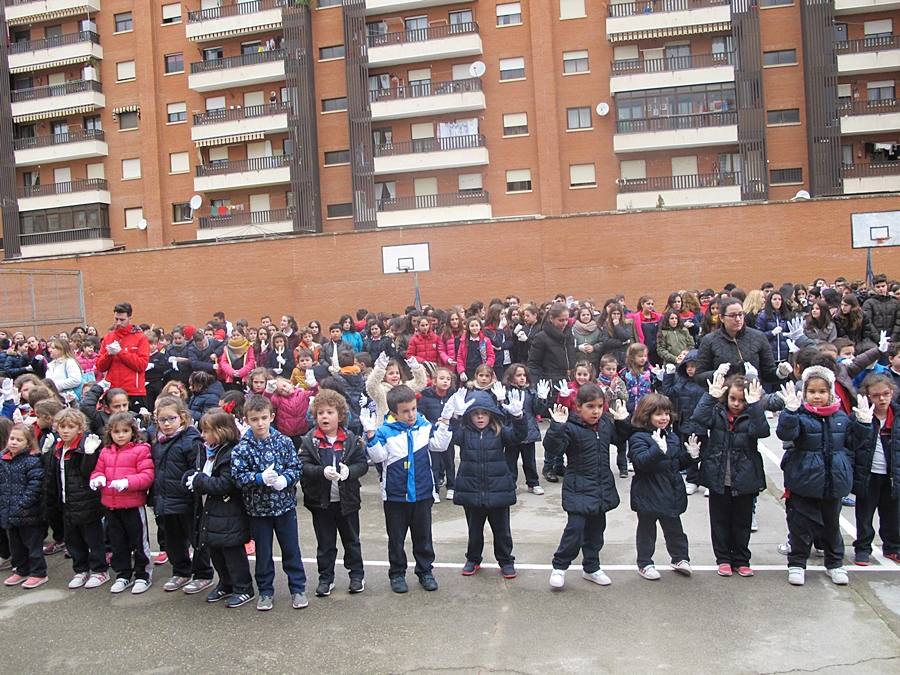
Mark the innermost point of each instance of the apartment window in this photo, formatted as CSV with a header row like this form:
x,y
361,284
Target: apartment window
x,y
515,124
92,123
582,175
131,168
571,9
174,63
578,118
128,120
176,112
213,53
512,69
340,210
179,162
181,213
337,157
575,62
775,3
787,116
328,3
461,20
334,104
332,52
880,91
882,28
518,180
469,183
133,217
124,71
171,13
96,170
782,57
785,176
251,47
509,14
124,22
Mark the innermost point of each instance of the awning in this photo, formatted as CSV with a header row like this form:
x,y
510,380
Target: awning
x,y
47,114
228,140
47,16
670,31
51,64
237,31
126,108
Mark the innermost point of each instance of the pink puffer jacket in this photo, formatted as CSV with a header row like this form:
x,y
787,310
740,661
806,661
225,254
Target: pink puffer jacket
x,y
131,461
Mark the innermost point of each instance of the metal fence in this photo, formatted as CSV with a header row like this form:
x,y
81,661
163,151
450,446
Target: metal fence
x,y
41,302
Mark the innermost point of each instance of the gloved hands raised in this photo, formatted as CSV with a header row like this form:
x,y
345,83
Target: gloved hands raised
x,y
659,437
412,363
269,475
750,371
343,471
670,368
310,378
119,485
619,410
499,392
788,394
91,443
368,420
543,389
658,372
693,446
382,361
884,342
563,388
864,410
105,385
515,404
722,369
784,370
48,444
97,482
754,392
792,346
716,385
270,386
795,328
6,389
457,405
331,474
559,413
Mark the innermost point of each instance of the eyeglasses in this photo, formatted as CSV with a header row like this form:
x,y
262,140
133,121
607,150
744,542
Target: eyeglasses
x,y
880,395
167,420
736,315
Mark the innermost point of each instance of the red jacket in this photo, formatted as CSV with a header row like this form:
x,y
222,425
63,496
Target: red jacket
x,y
463,352
424,347
447,349
227,374
126,369
290,411
131,461
637,317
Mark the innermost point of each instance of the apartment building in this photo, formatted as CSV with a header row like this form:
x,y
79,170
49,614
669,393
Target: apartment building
x,y
142,125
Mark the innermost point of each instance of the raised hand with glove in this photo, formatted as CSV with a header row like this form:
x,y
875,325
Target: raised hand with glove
x,y
659,437
499,392
693,446
884,342
560,414
412,362
515,404
543,389
864,410
369,420
716,385
784,370
788,394
91,443
750,371
619,410
754,392
7,390
795,328
563,388
658,372
382,361
48,444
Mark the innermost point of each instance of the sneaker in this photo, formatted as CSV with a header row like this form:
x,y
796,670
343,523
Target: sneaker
x,y
470,568
862,559
754,523
436,497
13,579
120,585
706,492
450,494
599,577
197,585
838,576
217,594
242,599
550,475
34,582
175,583
536,490
265,603
299,601
398,585
691,488
324,589
97,579
429,583
161,558
893,555
5,564
725,570
623,473
140,586
508,571
849,500
54,547
796,576
357,586
250,549
79,580
683,567
649,572
557,578
745,571
784,549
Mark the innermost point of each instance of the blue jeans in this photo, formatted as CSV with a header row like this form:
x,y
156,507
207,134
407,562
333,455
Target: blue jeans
x,y
285,528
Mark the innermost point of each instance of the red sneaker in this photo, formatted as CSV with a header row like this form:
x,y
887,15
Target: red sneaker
x,y
744,571
34,582
14,579
161,558
54,547
725,570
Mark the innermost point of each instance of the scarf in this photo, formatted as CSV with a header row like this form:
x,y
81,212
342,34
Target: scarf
x,y
237,348
350,370
823,410
162,438
584,328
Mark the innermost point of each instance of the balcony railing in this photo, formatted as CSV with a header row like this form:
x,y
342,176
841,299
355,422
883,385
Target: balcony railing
x,y
422,34
245,113
73,87
869,44
85,185
689,182
871,169
672,63
63,236
888,105
247,218
425,88
75,136
234,9
430,145
255,164
656,6
433,201
250,59
56,41
675,122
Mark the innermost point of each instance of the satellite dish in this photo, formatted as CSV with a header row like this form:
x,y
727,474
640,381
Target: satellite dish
x,y
196,202
801,195
142,224
603,109
477,69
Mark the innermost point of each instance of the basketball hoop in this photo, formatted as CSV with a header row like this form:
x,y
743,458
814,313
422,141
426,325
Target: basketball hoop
x,y
881,241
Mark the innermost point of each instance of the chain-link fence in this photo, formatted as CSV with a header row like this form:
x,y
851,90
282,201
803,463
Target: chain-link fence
x,y
41,302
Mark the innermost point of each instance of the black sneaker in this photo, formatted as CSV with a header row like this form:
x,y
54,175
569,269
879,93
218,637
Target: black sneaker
x,y
398,585
561,471
550,475
324,588
218,594
508,571
357,585
470,568
238,600
429,583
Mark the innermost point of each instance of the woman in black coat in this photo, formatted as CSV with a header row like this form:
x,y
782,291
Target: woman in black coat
x,y
552,354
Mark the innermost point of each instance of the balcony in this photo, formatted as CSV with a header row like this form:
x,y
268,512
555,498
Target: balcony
x,y
35,11
876,177
641,19
217,127
676,131
53,52
57,195
385,6
72,145
58,100
431,154
235,71
869,55
246,224
863,6
66,242
246,173
675,71
425,44
241,18
423,99
691,190
453,207
867,117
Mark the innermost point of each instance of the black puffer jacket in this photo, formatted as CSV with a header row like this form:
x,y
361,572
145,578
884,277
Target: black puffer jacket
x,y
657,487
21,489
171,460
882,313
552,354
82,505
588,486
98,417
431,405
750,345
732,447
206,399
685,394
533,407
221,518
890,445
315,455
522,348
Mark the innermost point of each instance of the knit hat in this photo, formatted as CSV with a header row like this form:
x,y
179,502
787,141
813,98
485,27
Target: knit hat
x,y
189,332
820,372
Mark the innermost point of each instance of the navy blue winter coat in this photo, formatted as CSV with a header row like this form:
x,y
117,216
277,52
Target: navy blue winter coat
x,y
171,460
657,487
206,399
766,322
21,489
201,358
431,405
685,394
218,508
890,444
533,407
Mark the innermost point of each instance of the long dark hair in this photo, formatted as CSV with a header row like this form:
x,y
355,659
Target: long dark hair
x,y
785,311
664,324
824,320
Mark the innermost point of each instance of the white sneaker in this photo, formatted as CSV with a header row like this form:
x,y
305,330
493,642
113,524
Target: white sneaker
x,y
557,578
121,585
436,496
79,580
838,576
683,567
536,490
706,492
450,494
754,523
691,488
97,579
649,572
140,586
599,577
784,549
796,576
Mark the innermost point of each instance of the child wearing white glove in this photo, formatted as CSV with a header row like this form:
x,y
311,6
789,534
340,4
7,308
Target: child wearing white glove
x,y
518,379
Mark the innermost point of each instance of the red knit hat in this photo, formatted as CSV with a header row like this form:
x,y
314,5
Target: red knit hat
x,y
220,334
189,332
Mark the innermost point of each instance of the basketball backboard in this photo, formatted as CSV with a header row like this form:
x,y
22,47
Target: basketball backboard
x,y
404,258
875,230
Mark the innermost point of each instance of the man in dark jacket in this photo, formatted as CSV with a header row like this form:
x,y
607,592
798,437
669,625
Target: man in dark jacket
x,y
203,353
881,312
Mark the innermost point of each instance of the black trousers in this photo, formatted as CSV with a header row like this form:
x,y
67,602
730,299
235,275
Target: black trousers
x,y
179,536
582,533
129,538
4,545
327,523
529,465
729,524
26,548
233,569
676,539
877,498
56,525
622,455
819,519
443,464
87,546
415,518
499,521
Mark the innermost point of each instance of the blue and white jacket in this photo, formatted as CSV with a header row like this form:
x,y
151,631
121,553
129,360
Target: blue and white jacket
x,y
251,457
402,450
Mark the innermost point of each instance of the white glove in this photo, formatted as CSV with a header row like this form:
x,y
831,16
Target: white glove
x,y
619,410
105,384
382,361
343,471
716,385
499,392
143,412
658,373
723,370
563,388
660,439
791,398
173,361
670,368
518,329
97,482
269,475
784,370
189,482
38,357
463,378
412,362
521,337
334,370
311,378
363,401
776,330
29,368
119,485
792,346
368,420
331,474
884,342
754,392
559,413
150,366
750,371
457,405
795,328
516,403
113,348
270,386
280,360
693,446
216,366
864,410
279,483
49,442
6,389
91,443
543,389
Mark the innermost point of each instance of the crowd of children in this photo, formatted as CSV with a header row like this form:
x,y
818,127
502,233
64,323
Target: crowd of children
x,y
238,417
